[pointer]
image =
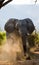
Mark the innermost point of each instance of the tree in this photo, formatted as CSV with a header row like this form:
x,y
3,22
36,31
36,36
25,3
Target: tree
x,y
2,3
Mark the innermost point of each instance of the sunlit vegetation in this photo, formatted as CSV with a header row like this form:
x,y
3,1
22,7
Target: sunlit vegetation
x,y
34,46
33,41
2,37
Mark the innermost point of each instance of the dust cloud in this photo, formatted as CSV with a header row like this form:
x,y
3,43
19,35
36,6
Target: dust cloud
x,y
12,50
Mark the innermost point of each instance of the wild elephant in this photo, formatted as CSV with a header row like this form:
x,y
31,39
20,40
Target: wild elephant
x,y
24,27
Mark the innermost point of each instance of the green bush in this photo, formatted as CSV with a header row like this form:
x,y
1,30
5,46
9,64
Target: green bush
x,y
33,39
2,37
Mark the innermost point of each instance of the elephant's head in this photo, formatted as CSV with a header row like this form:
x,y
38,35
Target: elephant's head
x,y
25,26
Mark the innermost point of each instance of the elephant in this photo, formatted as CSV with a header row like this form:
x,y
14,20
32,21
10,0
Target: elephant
x,y
24,27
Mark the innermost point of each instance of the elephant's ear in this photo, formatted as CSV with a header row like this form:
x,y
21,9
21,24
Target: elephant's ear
x,y
9,26
30,25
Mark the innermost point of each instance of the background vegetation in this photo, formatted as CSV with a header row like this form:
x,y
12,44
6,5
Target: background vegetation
x,y
2,37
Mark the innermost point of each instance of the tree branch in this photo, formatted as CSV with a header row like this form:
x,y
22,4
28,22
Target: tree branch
x,y
5,3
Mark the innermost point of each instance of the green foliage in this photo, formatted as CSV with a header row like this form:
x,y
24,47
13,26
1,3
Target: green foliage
x,y
37,39
2,37
34,45
33,39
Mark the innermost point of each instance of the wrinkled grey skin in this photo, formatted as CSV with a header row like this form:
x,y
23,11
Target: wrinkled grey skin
x,y
24,27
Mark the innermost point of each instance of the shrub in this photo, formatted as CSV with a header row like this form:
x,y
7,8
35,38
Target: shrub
x,y
2,37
